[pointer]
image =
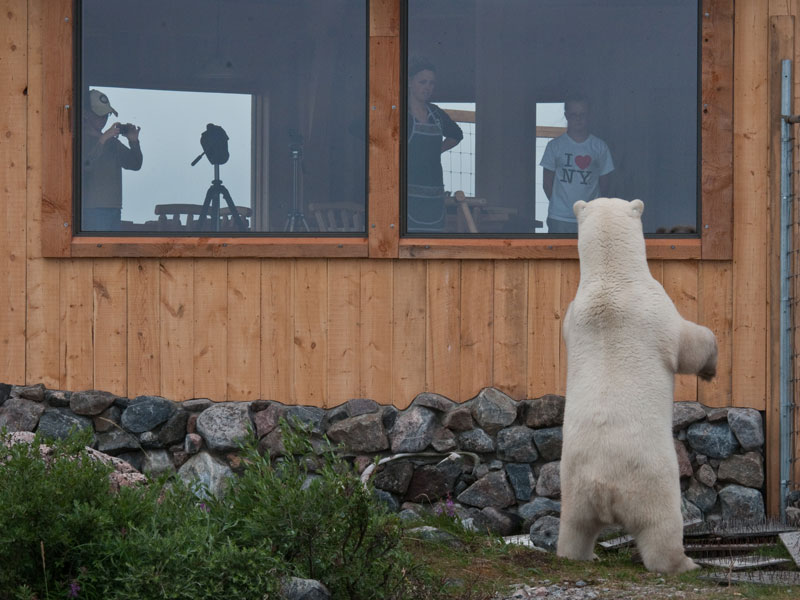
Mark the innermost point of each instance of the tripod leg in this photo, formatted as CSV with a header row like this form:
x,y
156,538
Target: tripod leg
x,y
201,220
234,212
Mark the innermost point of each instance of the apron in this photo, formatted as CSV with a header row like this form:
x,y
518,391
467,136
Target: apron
x,y
425,204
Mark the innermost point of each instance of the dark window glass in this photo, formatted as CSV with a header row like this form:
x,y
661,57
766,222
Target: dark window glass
x,y
518,108
272,93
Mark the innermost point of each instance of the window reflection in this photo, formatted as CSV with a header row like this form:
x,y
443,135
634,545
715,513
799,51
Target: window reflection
x,y
285,82
634,64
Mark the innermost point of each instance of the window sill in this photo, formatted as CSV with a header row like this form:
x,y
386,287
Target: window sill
x,y
204,247
657,249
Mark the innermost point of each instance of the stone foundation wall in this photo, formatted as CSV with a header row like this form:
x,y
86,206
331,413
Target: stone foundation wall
x,y
492,461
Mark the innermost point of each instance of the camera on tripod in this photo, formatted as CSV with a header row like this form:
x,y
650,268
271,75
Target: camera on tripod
x,y
214,141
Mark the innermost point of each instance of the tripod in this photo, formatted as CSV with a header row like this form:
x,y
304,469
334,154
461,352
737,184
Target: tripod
x,y
296,218
212,203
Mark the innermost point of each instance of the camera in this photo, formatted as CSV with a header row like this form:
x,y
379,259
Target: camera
x,y
125,129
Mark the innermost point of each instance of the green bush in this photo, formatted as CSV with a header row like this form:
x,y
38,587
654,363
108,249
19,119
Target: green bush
x,y
323,521
64,534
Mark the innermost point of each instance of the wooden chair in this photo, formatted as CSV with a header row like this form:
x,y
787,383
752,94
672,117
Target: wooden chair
x,y
338,216
467,209
186,217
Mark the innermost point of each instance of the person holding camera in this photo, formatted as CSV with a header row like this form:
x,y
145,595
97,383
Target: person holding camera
x,y
103,158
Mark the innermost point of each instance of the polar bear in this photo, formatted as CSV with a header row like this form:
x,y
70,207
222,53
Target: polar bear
x,y
625,341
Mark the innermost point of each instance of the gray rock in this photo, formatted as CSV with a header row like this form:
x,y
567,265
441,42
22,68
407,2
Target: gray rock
x,y
224,426
701,496
684,462
18,414
491,490
174,430
108,419
310,418
686,413
549,441
434,401
266,420
741,504
134,459
547,411
690,511
475,440
116,440
149,440
539,507
549,482
498,522
361,406
413,430
716,415
744,469
544,533
272,443
388,499
5,392
748,427
196,404
394,476
431,482
493,410
458,419
432,534
389,415
57,398
715,440
58,423
34,393
522,480
294,588
516,444
192,443
157,462
793,516
90,402
209,472
444,440
362,433
146,413
706,475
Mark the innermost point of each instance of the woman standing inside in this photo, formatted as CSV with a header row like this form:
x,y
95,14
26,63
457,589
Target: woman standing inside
x,y
430,133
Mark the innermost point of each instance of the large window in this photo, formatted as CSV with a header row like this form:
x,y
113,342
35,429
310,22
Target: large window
x,y
565,100
272,93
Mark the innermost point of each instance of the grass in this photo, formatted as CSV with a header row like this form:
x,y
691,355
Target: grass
x,y
483,566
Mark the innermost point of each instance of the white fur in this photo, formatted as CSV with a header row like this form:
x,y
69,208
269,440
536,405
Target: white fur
x,y
625,342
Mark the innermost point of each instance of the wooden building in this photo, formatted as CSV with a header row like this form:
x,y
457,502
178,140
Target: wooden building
x,y
320,320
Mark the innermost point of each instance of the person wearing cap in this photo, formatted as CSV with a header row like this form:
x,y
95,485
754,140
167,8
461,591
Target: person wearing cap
x,y
103,158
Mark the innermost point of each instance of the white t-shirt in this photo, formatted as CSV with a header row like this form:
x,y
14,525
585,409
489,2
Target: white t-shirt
x,y
577,167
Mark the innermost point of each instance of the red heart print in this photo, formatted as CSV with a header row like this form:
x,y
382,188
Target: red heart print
x,y
583,161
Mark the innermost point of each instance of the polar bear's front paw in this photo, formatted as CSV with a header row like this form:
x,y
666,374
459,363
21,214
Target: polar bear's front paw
x,y
708,372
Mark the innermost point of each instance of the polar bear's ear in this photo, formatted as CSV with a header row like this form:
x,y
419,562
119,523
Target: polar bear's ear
x,y
578,208
637,207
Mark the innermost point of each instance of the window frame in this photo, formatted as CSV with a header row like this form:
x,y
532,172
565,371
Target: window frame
x,y
383,239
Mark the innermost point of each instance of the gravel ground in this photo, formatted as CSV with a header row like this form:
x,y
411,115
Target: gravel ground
x,y
580,590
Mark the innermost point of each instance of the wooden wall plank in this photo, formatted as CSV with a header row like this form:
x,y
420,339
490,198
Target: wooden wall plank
x,y
715,311
409,327
144,341
75,334
57,123
716,122
376,330
751,170
210,328
344,330
13,128
176,327
244,329
42,280
277,329
477,312
782,7
384,155
310,332
384,17
570,278
544,327
443,365
680,283
110,288
510,351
